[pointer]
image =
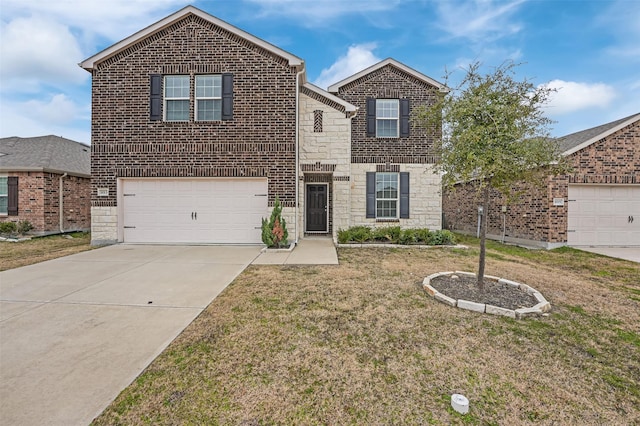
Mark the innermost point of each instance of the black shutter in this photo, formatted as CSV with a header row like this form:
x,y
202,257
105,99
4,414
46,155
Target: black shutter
x,y
371,117
371,194
12,184
227,96
404,195
404,118
155,98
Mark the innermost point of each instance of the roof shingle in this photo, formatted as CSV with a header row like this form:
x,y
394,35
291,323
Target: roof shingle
x,y
47,153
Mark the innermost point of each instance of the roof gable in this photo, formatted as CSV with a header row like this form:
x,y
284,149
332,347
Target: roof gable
x,y
328,99
45,153
334,88
90,63
574,142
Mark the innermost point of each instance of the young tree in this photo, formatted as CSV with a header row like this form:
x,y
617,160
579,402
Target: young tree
x,y
494,135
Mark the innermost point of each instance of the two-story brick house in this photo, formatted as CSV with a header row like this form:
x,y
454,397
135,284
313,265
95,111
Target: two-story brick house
x,y
597,204
197,127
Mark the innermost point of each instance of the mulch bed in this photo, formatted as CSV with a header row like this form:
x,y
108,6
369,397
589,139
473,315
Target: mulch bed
x,y
496,294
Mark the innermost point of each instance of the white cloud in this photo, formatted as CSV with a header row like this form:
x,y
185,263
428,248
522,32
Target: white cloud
x,y
477,20
321,11
573,96
358,57
58,110
38,50
57,115
113,19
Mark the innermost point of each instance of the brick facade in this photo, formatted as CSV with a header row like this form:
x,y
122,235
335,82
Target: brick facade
x,y
38,202
534,219
389,82
258,142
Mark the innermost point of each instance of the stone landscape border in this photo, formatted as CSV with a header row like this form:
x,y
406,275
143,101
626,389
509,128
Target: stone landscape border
x,y
540,308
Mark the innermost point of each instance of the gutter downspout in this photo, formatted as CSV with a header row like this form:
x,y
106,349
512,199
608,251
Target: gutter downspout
x,y
298,74
61,203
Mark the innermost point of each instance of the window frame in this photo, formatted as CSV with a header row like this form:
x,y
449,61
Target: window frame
x,y
384,199
207,98
166,99
379,119
5,212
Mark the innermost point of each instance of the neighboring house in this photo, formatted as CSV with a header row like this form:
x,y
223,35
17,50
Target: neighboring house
x,y
598,204
45,180
197,127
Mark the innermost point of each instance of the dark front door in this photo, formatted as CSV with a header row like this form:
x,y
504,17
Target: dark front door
x,y
316,208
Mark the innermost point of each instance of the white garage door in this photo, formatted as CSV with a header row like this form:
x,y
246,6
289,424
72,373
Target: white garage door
x,y
604,215
222,211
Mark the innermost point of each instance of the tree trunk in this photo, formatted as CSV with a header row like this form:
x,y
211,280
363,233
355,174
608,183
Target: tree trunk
x,y
483,237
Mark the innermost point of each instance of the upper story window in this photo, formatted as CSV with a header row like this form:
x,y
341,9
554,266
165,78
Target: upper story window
x,y
176,98
170,97
208,97
387,118
387,115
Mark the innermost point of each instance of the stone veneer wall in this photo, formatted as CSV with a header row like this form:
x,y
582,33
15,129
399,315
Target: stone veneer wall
x,y
533,219
425,199
325,157
258,142
38,202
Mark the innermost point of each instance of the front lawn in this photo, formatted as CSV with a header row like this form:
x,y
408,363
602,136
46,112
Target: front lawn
x,y
361,343
28,252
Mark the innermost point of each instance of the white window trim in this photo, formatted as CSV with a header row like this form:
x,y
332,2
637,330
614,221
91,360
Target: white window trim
x,y
397,119
166,99
396,199
206,98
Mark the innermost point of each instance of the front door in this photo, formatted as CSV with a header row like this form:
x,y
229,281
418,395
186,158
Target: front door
x,y
317,208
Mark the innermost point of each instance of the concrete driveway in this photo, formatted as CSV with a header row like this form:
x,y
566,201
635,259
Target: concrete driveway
x,y
626,253
77,330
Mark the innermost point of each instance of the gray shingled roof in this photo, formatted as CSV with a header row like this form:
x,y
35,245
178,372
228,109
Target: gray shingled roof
x,y
568,142
46,153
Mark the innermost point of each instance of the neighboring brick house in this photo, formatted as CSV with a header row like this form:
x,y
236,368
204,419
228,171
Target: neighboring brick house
x,y
45,180
598,204
197,127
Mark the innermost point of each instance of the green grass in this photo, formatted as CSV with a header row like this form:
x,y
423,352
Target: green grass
x,y
361,343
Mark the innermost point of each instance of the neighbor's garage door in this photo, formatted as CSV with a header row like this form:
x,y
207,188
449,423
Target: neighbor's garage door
x,y
604,215
227,211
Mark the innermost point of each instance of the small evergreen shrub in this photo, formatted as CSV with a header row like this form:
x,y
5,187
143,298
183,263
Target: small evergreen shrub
x,y
274,230
395,235
389,234
23,227
9,228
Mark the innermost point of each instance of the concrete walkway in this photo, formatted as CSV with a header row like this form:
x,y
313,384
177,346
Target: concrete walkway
x,y
309,251
76,331
625,253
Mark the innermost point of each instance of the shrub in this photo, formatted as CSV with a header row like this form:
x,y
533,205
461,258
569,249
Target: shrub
x,y
396,235
360,234
8,228
23,227
409,236
424,236
274,230
443,237
387,233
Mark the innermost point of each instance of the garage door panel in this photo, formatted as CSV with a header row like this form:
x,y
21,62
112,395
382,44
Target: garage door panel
x,y
193,210
599,215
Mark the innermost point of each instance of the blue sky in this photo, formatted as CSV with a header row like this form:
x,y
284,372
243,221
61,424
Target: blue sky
x,y
588,49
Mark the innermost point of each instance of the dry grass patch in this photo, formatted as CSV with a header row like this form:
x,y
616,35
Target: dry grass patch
x,y
23,253
361,343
